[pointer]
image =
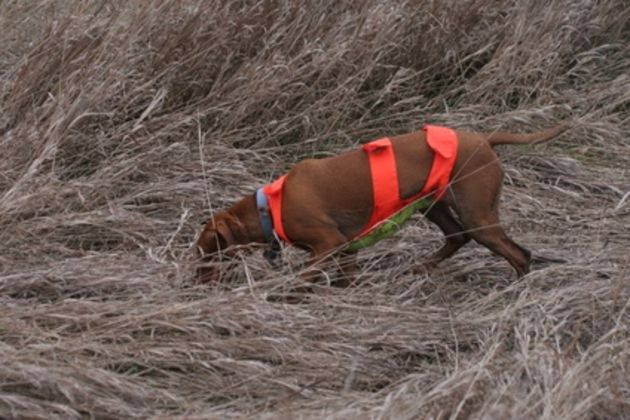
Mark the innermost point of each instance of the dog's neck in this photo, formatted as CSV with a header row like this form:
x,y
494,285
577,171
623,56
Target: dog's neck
x,y
247,212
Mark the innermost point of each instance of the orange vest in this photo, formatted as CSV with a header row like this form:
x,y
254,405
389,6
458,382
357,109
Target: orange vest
x,y
385,189
274,198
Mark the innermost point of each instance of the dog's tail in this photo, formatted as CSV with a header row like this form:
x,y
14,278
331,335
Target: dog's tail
x,y
532,138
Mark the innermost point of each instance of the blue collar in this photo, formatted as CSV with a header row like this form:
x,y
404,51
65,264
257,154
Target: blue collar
x,y
264,216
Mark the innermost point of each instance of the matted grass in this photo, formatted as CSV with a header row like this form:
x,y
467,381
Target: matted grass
x,y
123,125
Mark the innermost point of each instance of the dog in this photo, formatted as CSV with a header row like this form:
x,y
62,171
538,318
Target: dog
x,y
323,205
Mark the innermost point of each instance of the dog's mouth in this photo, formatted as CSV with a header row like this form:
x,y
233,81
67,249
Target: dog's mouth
x,y
207,267
212,268
207,272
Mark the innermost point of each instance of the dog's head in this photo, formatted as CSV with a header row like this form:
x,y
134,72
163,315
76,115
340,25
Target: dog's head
x,y
220,232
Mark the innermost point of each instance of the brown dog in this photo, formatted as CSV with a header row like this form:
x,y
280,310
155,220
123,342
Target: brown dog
x,y
326,202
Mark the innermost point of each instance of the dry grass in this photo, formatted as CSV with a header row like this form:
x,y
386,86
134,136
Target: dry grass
x,y
123,124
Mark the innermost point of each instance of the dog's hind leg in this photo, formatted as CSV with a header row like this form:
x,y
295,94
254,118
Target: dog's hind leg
x,y
441,215
485,229
498,242
474,195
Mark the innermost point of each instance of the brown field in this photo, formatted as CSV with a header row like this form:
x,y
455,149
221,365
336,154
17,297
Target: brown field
x,y
123,124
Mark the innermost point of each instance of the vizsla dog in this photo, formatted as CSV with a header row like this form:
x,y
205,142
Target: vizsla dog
x,y
327,203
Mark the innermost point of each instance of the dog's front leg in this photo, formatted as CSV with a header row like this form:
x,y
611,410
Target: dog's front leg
x,y
320,265
348,267
325,245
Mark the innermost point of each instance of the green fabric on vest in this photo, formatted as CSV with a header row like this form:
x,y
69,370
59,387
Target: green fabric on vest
x,y
388,227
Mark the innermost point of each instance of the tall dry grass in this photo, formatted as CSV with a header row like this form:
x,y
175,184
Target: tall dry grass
x,y
124,124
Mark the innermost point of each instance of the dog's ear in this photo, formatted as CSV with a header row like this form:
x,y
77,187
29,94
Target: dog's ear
x,y
225,233
209,241
222,231
214,237
232,230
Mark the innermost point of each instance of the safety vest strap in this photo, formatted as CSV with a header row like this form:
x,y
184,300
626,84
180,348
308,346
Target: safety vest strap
x,y
443,142
385,190
274,197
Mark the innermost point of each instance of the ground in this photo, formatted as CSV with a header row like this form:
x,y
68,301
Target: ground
x,y
124,125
